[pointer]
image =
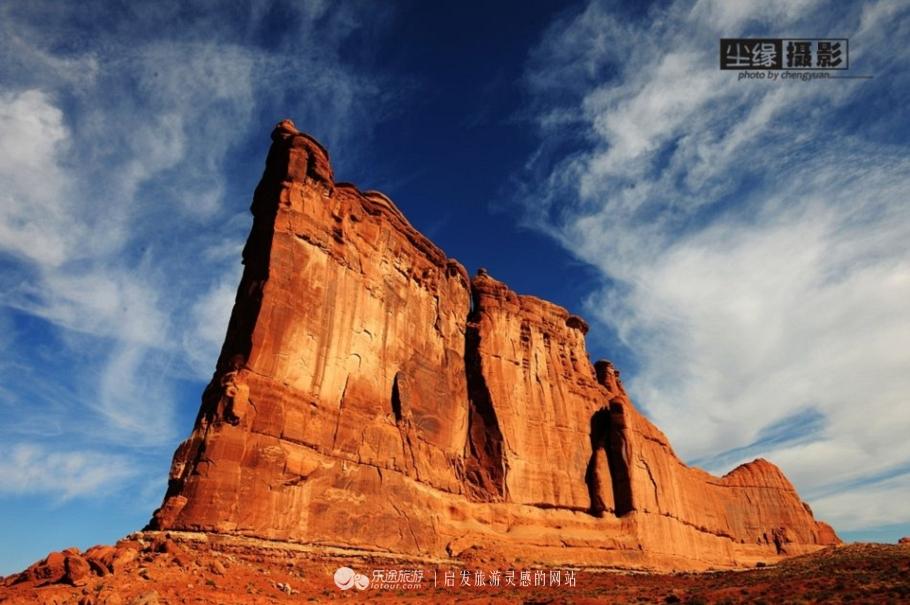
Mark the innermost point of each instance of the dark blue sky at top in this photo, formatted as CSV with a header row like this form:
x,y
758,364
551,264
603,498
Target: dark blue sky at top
x,y
453,158
451,145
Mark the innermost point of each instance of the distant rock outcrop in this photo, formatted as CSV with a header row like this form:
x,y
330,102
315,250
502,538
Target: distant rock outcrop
x,y
370,394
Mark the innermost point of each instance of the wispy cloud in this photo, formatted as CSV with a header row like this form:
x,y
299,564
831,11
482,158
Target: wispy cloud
x,y
879,504
800,427
751,235
34,469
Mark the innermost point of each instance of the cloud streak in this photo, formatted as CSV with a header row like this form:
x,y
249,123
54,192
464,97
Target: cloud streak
x,y
30,468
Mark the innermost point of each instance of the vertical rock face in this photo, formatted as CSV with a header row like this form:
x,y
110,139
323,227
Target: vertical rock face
x,y
369,394
543,393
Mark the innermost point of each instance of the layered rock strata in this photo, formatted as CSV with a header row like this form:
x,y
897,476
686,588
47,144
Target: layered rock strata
x,y
370,394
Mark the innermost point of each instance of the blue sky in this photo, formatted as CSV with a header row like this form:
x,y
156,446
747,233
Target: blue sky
x,y
740,247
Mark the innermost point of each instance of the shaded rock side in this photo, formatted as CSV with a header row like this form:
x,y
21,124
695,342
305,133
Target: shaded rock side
x,y
370,395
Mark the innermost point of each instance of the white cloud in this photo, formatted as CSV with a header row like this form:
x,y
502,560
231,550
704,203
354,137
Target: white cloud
x,y
754,250
134,396
730,15
104,301
33,224
29,468
209,324
884,503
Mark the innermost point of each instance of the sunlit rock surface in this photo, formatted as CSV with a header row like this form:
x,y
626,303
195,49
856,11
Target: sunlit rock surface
x,y
370,394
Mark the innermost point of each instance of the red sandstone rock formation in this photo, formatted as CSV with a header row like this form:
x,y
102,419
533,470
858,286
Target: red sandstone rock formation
x,y
369,394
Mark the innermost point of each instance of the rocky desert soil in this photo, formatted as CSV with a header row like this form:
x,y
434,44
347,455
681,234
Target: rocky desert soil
x,y
158,568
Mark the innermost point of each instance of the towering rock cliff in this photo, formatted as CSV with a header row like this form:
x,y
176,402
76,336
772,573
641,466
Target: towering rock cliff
x,y
370,394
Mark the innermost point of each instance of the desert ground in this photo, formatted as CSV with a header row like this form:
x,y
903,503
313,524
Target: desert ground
x,y
175,568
